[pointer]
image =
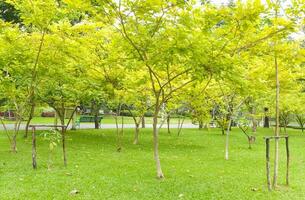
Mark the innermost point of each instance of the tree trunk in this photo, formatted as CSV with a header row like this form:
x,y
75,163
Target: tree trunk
x,y
168,123
180,128
156,144
277,111
249,140
136,134
29,120
143,122
227,140
27,127
254,125
14,143
63,130
73,121
200,125
117,133
95,110
56,118
96,122
266,118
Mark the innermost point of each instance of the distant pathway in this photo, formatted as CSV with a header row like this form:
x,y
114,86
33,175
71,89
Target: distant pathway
x,y
104,126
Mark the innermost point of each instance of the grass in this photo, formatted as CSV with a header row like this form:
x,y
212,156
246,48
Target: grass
x,y
193,164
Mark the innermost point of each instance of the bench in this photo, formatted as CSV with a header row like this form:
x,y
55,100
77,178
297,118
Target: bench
x,y
87,118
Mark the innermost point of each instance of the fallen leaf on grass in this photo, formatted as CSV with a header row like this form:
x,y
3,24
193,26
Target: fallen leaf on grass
x,y
74,192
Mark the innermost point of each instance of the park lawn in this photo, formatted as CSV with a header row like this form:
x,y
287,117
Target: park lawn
x,y
106,120
193,164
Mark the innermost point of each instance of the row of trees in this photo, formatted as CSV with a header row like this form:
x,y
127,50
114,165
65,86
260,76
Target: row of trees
x,y
153,55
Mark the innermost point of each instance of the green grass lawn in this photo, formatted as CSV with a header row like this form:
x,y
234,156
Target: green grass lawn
x,y
193,165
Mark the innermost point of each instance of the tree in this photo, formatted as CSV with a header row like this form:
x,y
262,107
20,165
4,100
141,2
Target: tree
x,y
167,71
36,18
15,55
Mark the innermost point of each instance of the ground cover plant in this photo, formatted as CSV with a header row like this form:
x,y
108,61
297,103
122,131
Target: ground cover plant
x,y
193,161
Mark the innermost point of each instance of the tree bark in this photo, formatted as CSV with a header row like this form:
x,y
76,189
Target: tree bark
x,y
168,123
143,122
254,125
96,122
32,86
34,153
95,109
160,174
266,118
180,127
136,135
223,130
29,120
16,130
277,130
200,125
73,121
227,140
14,143
63,131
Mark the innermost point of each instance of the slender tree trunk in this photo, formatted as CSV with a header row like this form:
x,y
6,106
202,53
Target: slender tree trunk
x,y
136,135
277,130
62,120
73,121
96,122
254,125
168,123
266,118
143,122
29,119
117,133
14,143
118,112
227,140
16,131
32,86
200,125
156,144
122,126
180,128
95,109
254,121
56,118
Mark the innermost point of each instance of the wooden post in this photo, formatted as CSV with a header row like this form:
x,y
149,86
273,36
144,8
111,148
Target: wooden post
x,y
268,164
34,163
64,144
287,169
